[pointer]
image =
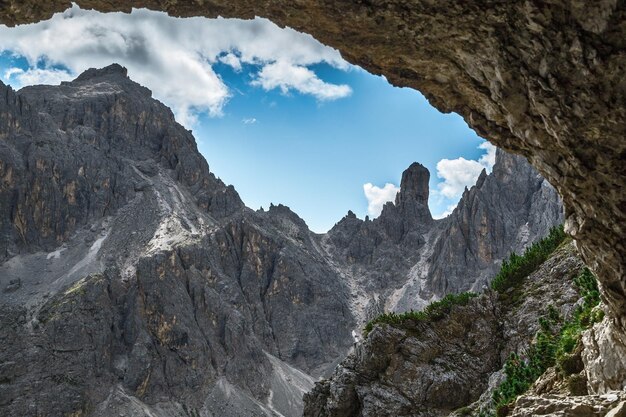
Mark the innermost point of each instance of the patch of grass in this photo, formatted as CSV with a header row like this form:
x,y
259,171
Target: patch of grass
x,y
434,311
518,267
585,316
554,344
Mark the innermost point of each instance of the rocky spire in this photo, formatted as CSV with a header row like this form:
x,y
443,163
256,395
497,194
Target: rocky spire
x,y
414,185
410,213
411,204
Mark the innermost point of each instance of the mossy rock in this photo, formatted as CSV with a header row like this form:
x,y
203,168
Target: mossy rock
x,y
503,410
571,364
577,384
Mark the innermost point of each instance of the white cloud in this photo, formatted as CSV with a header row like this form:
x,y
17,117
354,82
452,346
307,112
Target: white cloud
x,y
249,121
287,76
34,76
446,213
457,174
460,173
489,159
173,56
232,61
377,197
11,72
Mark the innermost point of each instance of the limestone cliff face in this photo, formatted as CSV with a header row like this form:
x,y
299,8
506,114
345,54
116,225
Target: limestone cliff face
x,y
133,281
503,213
430,369
75,153
404,258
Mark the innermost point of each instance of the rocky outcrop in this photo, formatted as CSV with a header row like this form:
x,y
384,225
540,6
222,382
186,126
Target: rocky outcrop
x,y
543,79
604,357
434,368
428,369
607,405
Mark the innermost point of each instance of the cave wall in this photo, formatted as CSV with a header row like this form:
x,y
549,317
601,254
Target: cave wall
x,y
542,78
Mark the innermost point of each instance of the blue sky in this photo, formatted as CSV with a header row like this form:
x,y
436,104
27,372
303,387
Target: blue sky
x,y
288,123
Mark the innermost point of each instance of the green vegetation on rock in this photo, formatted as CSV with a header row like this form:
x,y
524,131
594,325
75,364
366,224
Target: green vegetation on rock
x,y
518,267
554,344
434,311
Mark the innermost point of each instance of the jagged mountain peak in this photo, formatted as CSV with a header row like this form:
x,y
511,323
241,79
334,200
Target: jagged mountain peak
x,y
281,211
105,200
414,184
410,211
95,83
111,71
99,139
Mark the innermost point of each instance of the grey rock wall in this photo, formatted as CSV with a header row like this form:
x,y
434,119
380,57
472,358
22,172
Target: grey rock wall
x,y
443,365
541,79
131,275
132,279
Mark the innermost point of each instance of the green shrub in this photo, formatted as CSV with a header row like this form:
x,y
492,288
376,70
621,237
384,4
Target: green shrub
x,y
434,311
585,316
522,372
554,344
518,267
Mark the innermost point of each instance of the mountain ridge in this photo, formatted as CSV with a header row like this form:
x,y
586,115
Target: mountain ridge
x,y
145,280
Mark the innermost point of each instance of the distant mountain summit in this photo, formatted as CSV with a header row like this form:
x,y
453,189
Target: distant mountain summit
x,y
403,259
133,280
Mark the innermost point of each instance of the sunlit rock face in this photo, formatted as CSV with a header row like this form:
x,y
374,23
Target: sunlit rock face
x,y
544,79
